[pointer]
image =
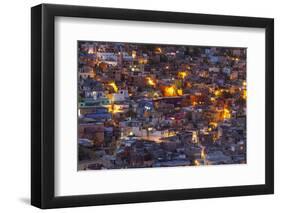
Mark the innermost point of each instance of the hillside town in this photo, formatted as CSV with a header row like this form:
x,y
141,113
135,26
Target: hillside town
x,y
156,105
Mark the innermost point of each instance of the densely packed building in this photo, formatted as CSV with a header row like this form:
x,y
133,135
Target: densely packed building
x,y
148,105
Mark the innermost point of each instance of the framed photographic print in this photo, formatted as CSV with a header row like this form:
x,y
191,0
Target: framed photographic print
x,y
139,106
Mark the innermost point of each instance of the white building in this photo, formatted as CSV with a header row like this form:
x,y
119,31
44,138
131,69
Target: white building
x,y
121,95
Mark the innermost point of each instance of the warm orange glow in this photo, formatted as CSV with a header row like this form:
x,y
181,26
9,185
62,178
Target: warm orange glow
x,y
179,91
113,108
218,93
244,95
213,124
226,113
188,85
182,74
203,154
159,50
134,54
244,83
197,163
113,86
170,91
215,137
194,137
235,58
194,103
156,95
169,134
143,61
150,81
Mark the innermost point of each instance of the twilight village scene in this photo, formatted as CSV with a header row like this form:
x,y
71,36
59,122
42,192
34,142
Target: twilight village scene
x,y
159,105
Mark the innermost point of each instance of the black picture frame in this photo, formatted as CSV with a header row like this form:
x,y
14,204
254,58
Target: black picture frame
x,y
43,111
